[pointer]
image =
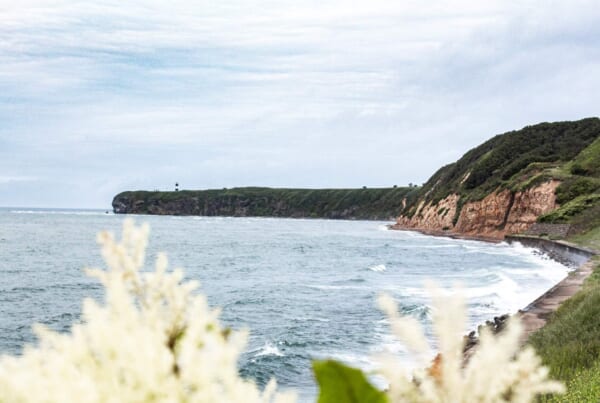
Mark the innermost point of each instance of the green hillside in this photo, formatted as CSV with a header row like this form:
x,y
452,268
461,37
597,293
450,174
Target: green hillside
x,y
579,196
567,151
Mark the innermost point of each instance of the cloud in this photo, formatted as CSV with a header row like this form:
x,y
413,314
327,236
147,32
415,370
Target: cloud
x,y
272,93
12,179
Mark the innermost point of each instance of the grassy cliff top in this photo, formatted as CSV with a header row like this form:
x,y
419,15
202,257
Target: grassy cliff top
x,y
518,159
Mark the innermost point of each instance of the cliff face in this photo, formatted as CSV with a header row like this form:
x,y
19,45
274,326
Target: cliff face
x,y
431,217
498,214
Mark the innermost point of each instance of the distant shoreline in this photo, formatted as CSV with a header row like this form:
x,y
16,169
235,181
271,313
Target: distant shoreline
x,y
446,234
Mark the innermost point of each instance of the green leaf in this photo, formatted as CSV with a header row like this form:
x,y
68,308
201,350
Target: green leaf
x,y
341,384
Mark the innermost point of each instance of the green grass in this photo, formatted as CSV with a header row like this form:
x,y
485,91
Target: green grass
x,y
583,213
518,159
589,239
584,386
569,344
588,161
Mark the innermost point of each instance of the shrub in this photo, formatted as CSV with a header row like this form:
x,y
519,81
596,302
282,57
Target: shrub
x,y
574,187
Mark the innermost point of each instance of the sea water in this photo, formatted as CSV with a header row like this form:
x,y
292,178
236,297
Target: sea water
x,y
306,289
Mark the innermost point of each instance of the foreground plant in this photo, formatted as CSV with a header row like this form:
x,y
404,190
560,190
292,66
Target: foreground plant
x,y
498,370
154,340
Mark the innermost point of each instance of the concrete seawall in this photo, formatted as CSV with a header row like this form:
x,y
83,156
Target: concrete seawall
x,y
536,314
563,252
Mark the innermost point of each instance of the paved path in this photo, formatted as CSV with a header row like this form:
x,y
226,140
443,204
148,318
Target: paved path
x,y
537,313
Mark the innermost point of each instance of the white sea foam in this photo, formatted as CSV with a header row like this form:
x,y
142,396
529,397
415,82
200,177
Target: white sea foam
x,y
335,287
268,349
361,361
312,318
380,268
63,212
506,289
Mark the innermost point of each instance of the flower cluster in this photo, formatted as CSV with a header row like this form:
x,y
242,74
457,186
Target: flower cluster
x,y
153,340
498,370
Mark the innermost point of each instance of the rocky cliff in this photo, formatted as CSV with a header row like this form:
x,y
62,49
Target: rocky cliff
x,y
500,213
508,183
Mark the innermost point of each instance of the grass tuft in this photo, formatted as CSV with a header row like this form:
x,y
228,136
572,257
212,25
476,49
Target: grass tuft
x,y
569,344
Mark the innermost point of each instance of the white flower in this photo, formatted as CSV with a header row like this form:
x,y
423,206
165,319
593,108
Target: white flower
x,y
153,340
498,371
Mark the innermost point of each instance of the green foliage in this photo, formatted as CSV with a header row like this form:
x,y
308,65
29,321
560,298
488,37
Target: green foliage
x,y
570,344
576,186
589,239
524,157
341,384
574,208
584,387
577,169
588,161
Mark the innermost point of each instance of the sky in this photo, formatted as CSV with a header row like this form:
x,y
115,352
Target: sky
x,y
98,97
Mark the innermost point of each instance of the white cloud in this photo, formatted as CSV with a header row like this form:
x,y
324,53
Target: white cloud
x,y
4,179
380,86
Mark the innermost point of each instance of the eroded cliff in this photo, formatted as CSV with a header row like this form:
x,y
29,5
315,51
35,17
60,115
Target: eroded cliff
x,y
506,184
501,213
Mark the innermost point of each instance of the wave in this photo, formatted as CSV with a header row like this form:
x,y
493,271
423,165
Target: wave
x,y
419,246
63,212
380,268
311,319
350,358
268,349
334,287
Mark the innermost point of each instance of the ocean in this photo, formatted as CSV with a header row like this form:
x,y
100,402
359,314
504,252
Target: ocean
x,y
305,288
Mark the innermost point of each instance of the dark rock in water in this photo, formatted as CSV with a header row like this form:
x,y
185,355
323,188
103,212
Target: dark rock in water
x,y
495,326
470,340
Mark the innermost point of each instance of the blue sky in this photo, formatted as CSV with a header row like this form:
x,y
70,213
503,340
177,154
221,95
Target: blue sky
x,y
102,96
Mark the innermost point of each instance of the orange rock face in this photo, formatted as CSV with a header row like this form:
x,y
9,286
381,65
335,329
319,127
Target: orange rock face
x,y
485,217
498,214
531,204
437,217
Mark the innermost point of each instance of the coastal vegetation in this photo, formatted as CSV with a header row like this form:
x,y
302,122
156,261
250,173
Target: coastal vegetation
x,y
569,343
579,196
514,159
365,203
